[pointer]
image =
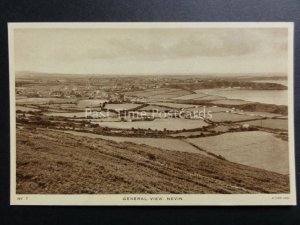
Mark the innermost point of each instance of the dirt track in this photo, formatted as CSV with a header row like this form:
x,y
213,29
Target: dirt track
x,y
54,162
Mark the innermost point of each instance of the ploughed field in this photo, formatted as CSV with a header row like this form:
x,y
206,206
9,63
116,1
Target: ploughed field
x,y
51,162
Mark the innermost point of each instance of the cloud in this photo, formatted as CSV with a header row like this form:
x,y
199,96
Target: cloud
x,y
99,49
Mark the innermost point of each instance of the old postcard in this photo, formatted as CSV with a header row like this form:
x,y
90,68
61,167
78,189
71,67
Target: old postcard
x,y
152,114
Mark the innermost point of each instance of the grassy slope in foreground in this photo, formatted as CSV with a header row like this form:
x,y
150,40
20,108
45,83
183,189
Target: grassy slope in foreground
x,y
53,162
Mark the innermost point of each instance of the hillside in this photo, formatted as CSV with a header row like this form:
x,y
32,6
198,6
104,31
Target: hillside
x,y
51,162
222,83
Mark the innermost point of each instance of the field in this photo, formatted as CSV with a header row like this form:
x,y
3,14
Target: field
x,y
163,143
192,96
262,114
207,108
278,97
221,128
70,106
90,102
210,98
37,101
280,124
154,108
254,148
282,117
125,106
67,114
233,117
173,105
112,118
232,102
26,109
157,124
50,162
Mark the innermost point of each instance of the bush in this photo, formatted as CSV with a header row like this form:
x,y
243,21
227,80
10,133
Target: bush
x,y
95,125
151,156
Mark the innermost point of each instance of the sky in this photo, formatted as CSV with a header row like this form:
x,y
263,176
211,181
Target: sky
x,y
152,51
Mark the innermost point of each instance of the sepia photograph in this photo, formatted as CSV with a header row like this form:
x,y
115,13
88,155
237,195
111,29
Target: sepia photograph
x,y
152,114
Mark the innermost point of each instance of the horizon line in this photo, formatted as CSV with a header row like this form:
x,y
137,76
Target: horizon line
x,y
151,74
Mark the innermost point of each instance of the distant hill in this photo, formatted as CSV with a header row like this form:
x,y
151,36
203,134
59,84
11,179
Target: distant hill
x,y
34,74
227,83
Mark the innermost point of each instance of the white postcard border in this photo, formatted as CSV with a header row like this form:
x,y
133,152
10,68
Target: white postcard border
x,y
152,199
